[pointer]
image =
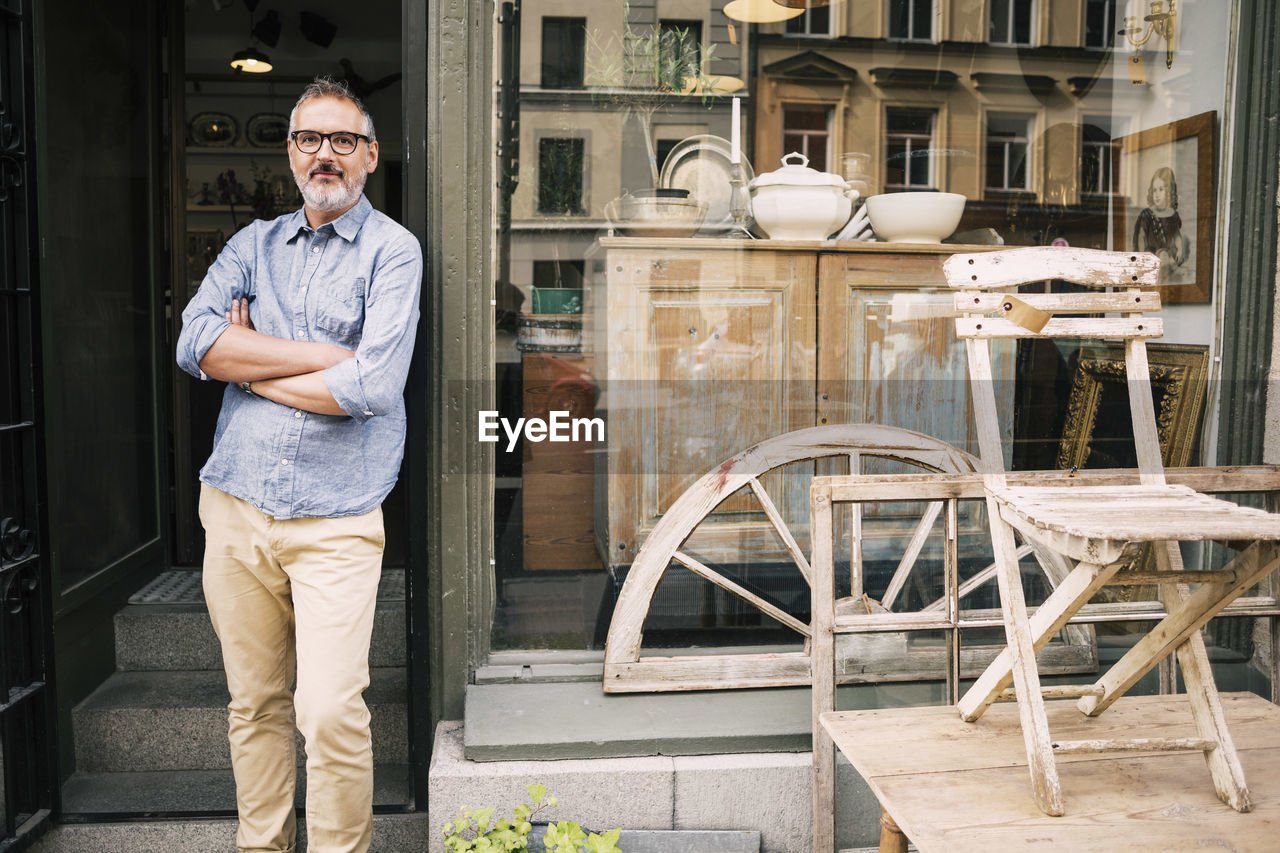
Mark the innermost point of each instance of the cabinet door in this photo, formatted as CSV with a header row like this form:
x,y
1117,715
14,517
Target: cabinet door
x,y
707,353
889,353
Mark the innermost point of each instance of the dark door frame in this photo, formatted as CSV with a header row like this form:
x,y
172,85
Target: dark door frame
x,y
27,702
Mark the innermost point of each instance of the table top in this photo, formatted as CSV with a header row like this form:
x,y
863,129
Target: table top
x,y
955,787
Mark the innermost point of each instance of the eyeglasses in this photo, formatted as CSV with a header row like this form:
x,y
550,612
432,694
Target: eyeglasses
x,y
342,142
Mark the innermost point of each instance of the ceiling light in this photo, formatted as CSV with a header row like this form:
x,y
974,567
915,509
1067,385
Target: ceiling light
x,y
760,11
251,61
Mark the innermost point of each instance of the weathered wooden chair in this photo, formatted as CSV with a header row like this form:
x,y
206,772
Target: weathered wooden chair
x,y
1099,528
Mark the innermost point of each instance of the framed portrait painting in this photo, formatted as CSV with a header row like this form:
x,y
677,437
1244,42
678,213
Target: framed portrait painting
x,y
1167,204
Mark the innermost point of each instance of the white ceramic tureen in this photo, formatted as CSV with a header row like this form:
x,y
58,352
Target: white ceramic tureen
x,y
799,203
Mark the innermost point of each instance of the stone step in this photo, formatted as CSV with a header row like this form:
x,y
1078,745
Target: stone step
x,y
195,791
166,625
392,833
155,637
141,721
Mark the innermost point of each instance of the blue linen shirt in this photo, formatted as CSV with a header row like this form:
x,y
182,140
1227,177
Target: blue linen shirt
x,y
353,282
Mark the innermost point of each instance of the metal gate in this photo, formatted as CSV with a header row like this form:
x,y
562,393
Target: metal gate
x,y
26,702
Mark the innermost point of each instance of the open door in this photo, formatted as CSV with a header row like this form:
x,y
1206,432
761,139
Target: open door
x,y
26,710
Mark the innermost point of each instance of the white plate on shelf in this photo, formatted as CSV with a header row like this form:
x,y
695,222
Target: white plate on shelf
x,y
701,165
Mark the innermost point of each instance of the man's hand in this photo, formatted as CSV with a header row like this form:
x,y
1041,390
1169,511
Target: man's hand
x,y
239,313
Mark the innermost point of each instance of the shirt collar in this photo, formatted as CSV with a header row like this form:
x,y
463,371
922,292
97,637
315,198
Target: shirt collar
x,y
346,226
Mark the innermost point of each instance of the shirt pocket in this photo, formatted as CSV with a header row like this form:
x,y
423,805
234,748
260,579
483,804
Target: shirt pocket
x,y
340,308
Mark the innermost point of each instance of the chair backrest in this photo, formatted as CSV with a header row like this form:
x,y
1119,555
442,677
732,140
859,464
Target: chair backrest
x,y
982,315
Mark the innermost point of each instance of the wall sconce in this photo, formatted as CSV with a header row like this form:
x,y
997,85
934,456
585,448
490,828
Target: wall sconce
x,y
1159,23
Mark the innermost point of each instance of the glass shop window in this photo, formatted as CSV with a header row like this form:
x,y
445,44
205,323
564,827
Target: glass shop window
x,y
815,21
1099,23
1011,21
806,128
909,148
629,298
911,20
1008,142
563,50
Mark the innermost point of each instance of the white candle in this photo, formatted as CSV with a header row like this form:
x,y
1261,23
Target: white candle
x,y
735,144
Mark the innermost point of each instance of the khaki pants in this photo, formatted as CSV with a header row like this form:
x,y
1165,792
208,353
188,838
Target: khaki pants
x,y
295,596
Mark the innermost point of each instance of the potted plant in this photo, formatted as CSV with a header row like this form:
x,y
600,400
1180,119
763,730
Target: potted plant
x,y
475,830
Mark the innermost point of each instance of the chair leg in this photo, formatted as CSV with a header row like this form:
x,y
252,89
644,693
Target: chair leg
x,y
1026,677
1075,589
1202,692
1184,619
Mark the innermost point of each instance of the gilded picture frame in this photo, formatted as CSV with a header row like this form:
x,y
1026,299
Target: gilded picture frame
x,y
1097,430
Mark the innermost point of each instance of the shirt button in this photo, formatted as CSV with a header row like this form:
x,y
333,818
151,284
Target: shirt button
x,y
284,461
297,414
300,334
315,250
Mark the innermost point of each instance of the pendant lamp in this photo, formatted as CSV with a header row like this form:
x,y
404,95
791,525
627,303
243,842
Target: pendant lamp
x,y
251,61
759,11
803,4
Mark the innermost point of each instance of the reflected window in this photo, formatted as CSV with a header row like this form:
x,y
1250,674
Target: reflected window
x,y
1008,141
682,43
908,145
806,128
814,22
911,19
1097,157
560,176
563,52
1011,21
1099,23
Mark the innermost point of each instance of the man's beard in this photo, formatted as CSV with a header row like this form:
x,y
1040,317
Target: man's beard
x,y
336,196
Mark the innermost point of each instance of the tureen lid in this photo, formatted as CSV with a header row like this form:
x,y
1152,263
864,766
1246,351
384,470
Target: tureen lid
x,y
795,172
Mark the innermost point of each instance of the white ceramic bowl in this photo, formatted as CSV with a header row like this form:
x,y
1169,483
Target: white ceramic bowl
x,y
655,217
915,217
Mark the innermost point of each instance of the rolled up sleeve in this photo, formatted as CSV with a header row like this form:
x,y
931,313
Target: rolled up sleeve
x,y
371,383
204,319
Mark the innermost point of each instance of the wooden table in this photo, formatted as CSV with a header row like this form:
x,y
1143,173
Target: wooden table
x,y
954,786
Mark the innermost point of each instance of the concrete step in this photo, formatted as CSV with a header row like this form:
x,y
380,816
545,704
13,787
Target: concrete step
x,y
166,625
400,833
155,637
392,833
195,791
140,721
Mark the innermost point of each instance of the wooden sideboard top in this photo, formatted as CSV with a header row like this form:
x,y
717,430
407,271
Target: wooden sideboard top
x,y
831,246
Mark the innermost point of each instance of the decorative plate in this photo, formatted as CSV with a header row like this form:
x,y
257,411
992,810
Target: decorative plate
x,y
212,129
267,130
701,165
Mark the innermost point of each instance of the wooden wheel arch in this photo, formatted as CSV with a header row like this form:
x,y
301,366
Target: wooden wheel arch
x,y
624,669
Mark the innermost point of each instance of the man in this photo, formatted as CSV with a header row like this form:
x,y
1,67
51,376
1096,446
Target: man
x,y
310,319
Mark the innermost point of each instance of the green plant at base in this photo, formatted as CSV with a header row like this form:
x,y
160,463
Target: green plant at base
x,y
473,831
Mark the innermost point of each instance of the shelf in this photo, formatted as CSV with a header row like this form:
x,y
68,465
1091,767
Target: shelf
x,y
236,151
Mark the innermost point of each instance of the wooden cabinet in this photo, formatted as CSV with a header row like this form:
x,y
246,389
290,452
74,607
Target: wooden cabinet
x,y
704,347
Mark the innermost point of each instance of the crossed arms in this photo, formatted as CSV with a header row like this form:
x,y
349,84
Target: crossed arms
x,y
290,373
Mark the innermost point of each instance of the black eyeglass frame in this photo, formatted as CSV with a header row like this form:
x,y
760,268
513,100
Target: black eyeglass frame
x,y
293,135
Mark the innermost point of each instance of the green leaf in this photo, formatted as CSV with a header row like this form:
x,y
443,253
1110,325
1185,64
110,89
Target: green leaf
x,y
522,811
481,817
537,792
607,843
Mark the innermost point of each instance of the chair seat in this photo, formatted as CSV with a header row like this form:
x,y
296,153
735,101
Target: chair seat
x,y
1134,513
